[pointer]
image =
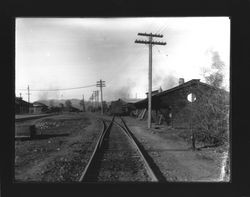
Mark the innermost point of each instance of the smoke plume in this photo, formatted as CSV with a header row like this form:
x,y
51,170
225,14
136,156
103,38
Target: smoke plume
x,y
46,95
124,92
169,81
215,74
164,81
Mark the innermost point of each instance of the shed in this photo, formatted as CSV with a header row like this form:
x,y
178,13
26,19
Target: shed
x,y
39,108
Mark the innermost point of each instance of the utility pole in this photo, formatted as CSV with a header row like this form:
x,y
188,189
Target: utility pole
x,y
83,103
97,98
101,84
96,94
94,99
91,102
28,98
150,42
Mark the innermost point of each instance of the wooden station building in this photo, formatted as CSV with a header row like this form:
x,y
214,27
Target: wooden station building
x,y
171,103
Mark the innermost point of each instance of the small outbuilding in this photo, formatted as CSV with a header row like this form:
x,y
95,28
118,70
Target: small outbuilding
x,y
39,108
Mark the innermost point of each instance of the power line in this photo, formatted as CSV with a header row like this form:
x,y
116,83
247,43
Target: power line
x,y
162,29
62,88
159,51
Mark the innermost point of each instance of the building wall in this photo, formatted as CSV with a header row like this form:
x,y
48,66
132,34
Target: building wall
x,y
21,108
173,104
176,104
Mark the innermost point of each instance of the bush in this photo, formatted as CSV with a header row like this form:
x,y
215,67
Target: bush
x,y
210,117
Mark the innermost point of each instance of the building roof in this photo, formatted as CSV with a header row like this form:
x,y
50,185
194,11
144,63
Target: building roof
x,y
184,85
126,100
38,104
153,92
19,101
131,100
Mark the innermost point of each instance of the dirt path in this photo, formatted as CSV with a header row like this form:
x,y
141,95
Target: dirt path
x,y
174,157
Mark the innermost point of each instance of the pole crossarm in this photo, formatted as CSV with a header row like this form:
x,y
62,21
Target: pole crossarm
x,y
101,84
148,42
150,34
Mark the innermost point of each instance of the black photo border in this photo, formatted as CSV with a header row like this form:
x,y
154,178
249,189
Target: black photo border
x,y
237,10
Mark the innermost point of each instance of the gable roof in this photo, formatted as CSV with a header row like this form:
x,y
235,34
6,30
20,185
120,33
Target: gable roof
x,y
38,104
184,85
155,91
20,101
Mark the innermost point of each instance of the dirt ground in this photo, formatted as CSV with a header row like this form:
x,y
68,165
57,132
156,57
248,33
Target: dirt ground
x,y
65,142
60,151
173,156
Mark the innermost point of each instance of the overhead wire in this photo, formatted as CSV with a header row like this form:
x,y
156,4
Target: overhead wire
x,y
59,89
159,51
159,29
162,29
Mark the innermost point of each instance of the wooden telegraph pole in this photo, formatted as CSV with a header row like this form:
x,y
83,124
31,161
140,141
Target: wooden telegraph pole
x,y
83,104
92,99
28,98
150,42
91,102
97,98
101,84
94,96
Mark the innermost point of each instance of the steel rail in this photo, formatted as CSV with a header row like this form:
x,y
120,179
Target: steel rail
x,y
99,144
132,138
96,150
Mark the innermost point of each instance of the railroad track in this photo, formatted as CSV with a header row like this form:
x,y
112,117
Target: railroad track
x,y
118,157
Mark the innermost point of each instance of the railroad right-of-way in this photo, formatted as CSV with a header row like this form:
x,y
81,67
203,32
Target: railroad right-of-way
x,y
86,147
117,157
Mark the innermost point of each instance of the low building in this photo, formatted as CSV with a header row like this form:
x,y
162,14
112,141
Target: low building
x,y
171,104
21,106
74,109
38,108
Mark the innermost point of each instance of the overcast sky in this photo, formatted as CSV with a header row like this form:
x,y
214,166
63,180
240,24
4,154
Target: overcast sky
x,y
56,53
